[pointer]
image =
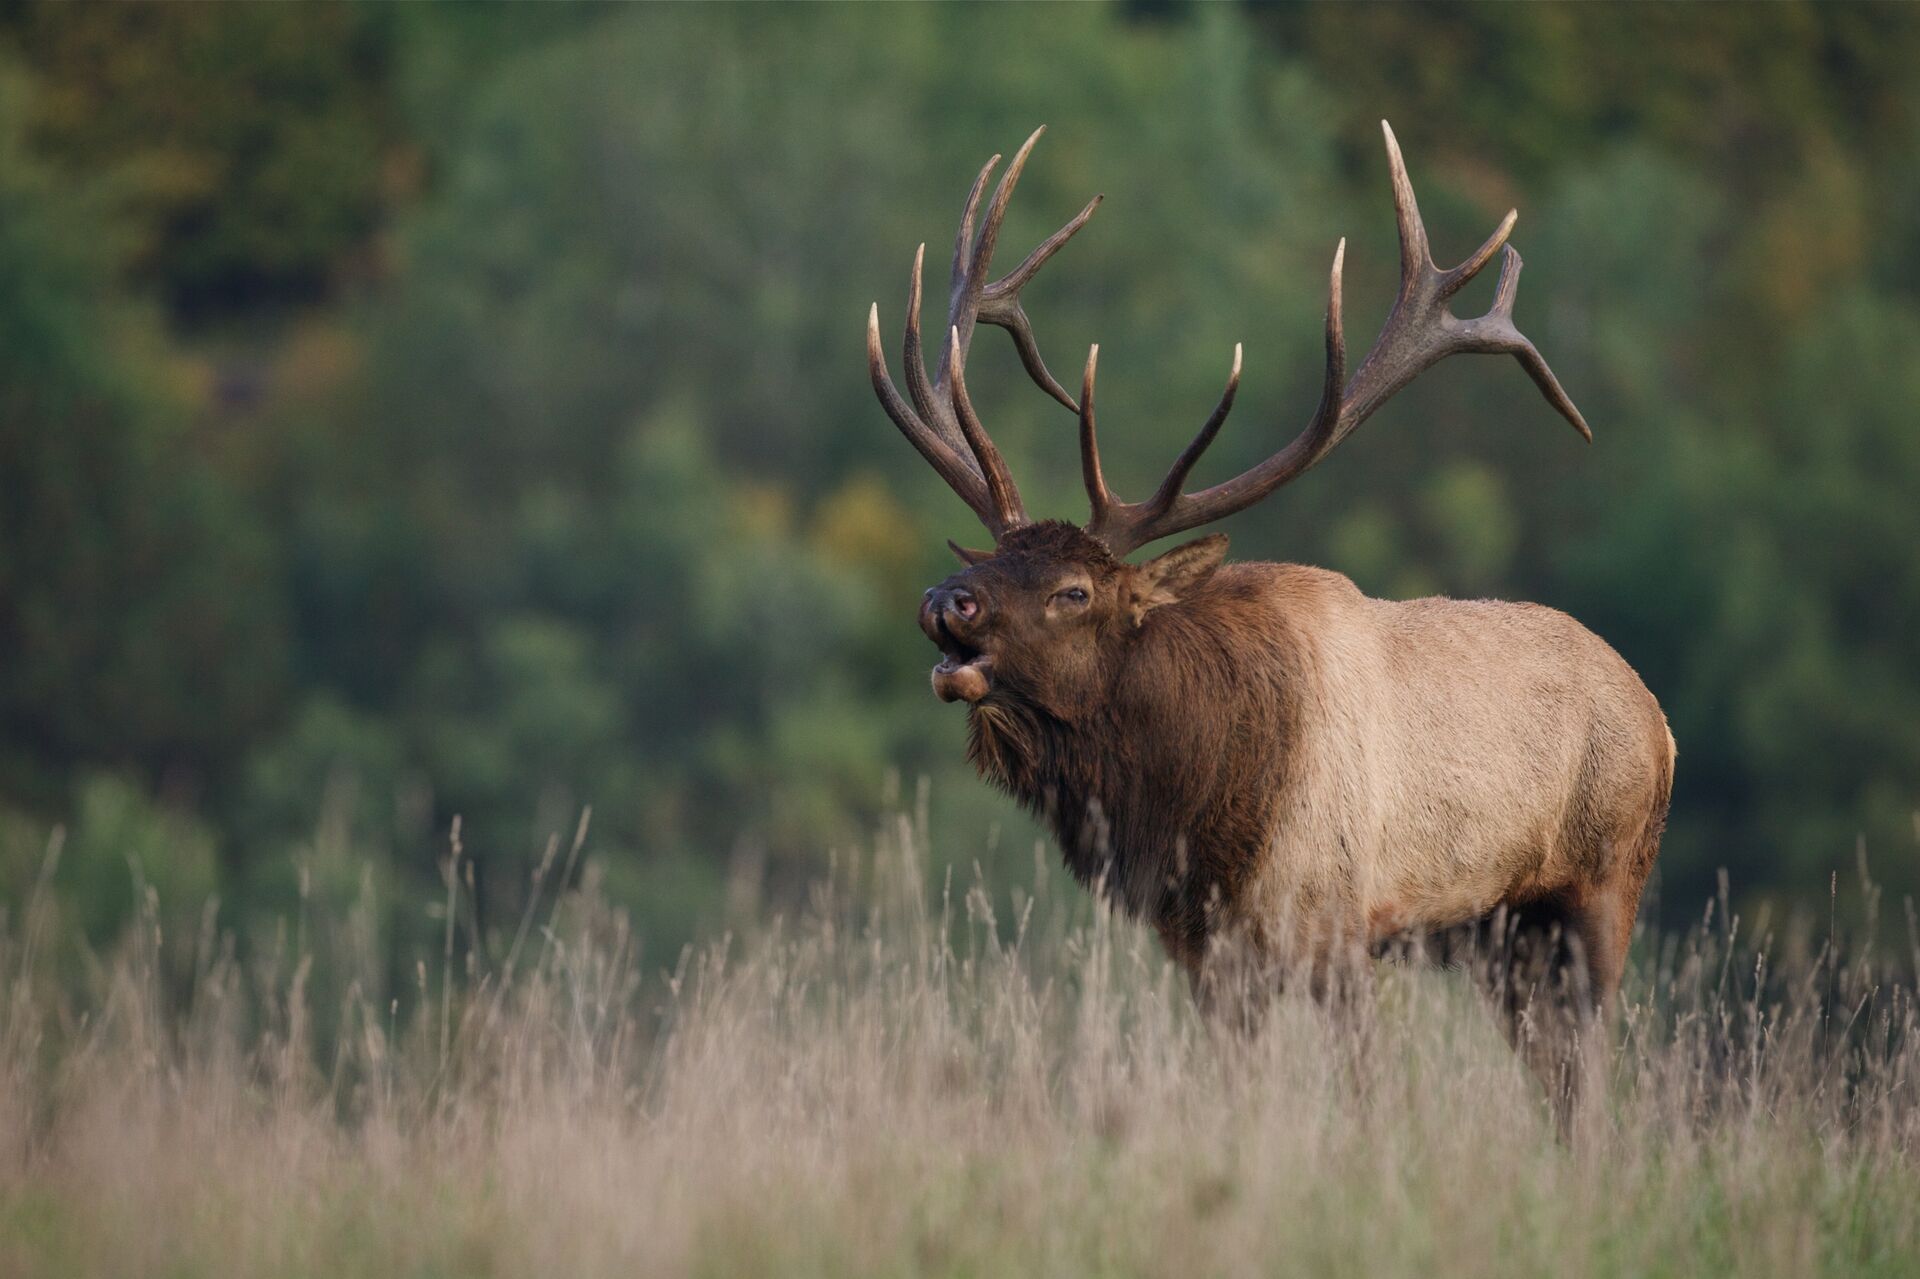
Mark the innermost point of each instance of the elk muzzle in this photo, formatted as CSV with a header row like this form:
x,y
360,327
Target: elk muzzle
x,y
953,617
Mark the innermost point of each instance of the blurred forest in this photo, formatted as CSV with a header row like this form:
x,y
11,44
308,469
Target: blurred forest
x,y
418,411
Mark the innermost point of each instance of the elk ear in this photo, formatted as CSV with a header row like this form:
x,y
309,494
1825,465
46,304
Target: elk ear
x,y
968,557
1166,578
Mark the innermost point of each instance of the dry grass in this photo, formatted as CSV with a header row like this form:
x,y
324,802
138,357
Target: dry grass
x,y
904,1079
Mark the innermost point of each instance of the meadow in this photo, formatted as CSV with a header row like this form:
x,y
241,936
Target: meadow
x,y
921,1071
410,411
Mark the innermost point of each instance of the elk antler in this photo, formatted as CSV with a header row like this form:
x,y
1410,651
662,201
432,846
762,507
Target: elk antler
x,y
940,421
1420,332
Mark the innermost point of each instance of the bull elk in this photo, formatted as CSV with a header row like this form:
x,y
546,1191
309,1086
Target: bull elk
x,y
1256,759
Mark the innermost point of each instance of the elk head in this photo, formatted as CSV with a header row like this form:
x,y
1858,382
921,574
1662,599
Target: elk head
x,y
1048,615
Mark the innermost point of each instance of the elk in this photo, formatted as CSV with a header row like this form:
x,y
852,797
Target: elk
x,y
1260,762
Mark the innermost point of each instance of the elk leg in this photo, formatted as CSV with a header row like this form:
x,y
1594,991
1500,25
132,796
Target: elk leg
x,y
1232,982
1555,975
1240,973
1604,926
1536,971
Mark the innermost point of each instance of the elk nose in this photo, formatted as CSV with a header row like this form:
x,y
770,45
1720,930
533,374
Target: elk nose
x,y
956,601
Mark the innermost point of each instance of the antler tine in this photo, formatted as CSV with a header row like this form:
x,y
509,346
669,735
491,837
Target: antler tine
x,y
1006,511
1451,282
1420,331
1417,266
1322,432
1126,526
955,469
1176,478
973,256
1000,303
932,397
1119,523
1013,281
939,420
1416,259
975,300
963,239
914,358
1099,496
1496,332
1327,415
997,212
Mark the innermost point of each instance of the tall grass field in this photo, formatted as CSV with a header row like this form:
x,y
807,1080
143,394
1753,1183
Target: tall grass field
x,y
926,1072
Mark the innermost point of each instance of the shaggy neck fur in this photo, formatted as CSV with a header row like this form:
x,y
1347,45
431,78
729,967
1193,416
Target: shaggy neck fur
x,y
1140,795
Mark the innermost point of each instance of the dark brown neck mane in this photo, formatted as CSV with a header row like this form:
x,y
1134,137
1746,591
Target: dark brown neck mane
x,y
1144,799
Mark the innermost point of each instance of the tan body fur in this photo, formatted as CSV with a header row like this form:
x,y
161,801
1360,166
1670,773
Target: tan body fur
x,y
1288,765
1450,757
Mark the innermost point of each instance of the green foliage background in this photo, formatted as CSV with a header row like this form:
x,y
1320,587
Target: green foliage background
x,y
411,412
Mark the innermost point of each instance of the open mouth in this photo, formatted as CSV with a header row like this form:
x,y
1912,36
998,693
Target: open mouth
x,y
965,673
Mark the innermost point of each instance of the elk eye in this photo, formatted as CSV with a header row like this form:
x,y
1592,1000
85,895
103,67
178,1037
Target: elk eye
x,y
1072,595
